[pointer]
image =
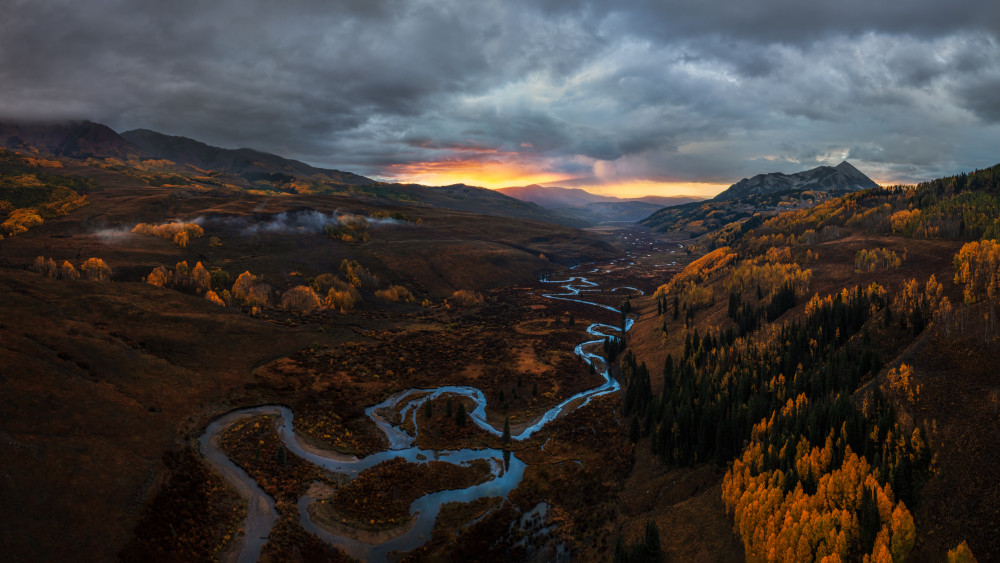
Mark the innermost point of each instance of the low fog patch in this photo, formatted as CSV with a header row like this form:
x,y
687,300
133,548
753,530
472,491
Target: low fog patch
x,y
292,222
113,235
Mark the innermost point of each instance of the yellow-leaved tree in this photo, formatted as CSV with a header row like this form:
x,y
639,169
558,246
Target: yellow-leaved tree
x,y
95,269
301,299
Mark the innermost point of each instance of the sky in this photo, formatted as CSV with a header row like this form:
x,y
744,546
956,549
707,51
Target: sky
x,y
662,97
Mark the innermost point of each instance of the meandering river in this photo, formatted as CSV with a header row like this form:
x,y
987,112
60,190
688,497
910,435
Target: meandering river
x,y
505,476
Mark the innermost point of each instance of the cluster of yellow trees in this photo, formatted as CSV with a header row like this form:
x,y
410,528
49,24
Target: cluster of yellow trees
x,y
876,259
339,295
325,291
62,201
92,269
697,272
823,524
180,233
197,279
902,384
977,268
359,276
395,294
466,298
768,276
350,228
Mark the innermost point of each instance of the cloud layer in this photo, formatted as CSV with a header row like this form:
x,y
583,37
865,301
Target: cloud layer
x,y
578,93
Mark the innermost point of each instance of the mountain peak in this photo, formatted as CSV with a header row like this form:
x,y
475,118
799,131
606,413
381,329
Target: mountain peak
x,y
844,176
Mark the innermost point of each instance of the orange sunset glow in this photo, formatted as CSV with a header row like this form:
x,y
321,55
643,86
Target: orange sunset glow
x,y
502,172
491,174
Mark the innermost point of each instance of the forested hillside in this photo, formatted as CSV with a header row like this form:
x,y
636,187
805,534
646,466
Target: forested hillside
x,y
834,359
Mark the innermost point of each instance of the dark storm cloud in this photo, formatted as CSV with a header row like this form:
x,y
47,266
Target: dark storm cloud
x,y
682,90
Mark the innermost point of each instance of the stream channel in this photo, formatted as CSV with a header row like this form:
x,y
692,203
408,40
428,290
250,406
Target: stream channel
x,y
261,511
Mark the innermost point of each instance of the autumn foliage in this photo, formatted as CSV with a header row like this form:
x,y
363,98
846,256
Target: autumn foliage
x,y
977,269
179,233
396,294
466,298
301,299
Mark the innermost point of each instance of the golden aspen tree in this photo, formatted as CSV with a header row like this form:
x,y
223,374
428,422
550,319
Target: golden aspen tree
x,y
301,299
95,269
242,286
201,279
68,272
212,297
160,277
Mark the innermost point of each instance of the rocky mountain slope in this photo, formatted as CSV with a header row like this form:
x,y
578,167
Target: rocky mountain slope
x,y
765,194
843,176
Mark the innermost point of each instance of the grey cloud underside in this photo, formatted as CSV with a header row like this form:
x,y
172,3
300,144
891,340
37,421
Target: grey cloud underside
x,y
667,90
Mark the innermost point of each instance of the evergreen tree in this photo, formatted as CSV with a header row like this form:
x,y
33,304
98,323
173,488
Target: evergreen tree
x,y
447,408
282,455
621,552
460,415
428,409
506,431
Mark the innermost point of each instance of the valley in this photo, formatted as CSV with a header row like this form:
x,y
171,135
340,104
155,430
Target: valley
x,y
342,371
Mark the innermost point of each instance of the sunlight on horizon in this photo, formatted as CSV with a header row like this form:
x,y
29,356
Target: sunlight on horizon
x,y
494,175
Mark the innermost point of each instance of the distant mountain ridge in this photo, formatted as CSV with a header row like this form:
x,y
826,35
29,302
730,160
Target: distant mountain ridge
x,y
593,207
555,197
765,194
72,139
843,176
198,164
183,150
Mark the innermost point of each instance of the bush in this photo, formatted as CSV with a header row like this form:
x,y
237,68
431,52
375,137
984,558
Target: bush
x,y
342,296
301,299
396,294
259,295
359,276
466,298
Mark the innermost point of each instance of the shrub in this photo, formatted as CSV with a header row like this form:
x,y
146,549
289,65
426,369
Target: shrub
x,y
396,294
259,295
466,298
342,296
349,228
359,276
301,299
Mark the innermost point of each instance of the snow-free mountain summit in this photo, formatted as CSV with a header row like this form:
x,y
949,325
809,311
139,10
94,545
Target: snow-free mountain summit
x,y
843,176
